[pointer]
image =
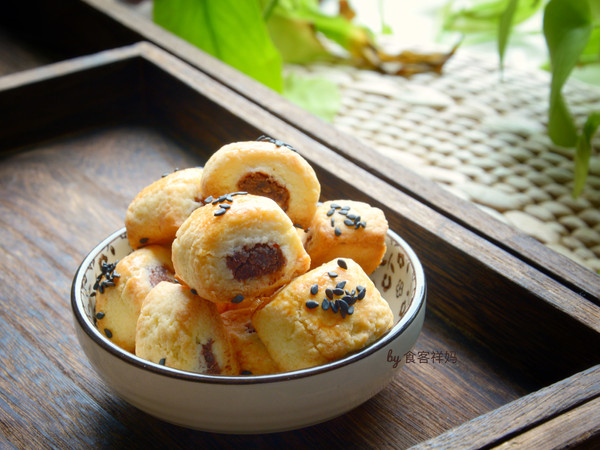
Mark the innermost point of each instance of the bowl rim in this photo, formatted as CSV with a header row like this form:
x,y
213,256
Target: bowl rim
x,y
94,334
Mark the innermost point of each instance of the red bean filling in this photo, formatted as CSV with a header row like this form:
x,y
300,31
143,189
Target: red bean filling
x,y
212,366
159,273
259,183
252,262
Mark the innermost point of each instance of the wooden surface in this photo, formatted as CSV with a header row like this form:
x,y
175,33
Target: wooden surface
x,y
81,138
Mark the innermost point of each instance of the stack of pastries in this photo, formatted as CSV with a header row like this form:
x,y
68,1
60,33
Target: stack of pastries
x,y
238,269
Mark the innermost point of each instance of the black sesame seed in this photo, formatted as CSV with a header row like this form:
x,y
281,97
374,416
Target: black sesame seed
x,y
162,361
311,304
338,291
220,211
225,206
342,263
100,315
341,284
361,292
194,291
246,372
345,208
208,199
325,304
343,212
334,306
108,333
237,299
338,231
329,293
352,216
334,206
349,299
332,222
143,240
314,289
350,310
348,223
239,193
330,212
332,274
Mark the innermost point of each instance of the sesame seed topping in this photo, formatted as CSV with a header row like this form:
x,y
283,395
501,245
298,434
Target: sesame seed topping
x,y
330,212
314,289
334,206
337,231
100,315
106,277
342,263
332,274
276,142
334,306
162,361
311,304
349,222
329,293
208,199
325,304
108,333
194,291
338,291
143,240
341,284
220,212
361,292
237,299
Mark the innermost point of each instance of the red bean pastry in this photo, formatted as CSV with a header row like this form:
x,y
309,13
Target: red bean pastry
x,y
268,168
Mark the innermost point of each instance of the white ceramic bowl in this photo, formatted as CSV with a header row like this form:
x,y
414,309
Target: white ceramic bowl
x,y
255,404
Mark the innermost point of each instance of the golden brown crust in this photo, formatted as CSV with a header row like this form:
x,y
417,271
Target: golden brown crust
x,y
347,229
249,249
156,213
184,331
263,168
251,353
298,334
118,307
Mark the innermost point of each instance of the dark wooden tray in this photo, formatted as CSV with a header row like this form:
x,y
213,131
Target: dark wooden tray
x,y
81,137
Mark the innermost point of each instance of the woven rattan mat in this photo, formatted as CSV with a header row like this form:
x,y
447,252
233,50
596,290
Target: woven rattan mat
x,y
483,138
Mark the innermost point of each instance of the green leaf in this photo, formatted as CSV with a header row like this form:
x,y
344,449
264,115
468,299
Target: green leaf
x,y
317,95
567,28
230,30
296,40
583,152
348,35
485,15
505,27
